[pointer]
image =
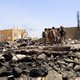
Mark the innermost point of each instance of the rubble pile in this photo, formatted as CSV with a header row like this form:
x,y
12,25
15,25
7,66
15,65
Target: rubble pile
x,y
39,62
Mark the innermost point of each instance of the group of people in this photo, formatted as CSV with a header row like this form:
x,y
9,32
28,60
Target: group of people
x,y
53,36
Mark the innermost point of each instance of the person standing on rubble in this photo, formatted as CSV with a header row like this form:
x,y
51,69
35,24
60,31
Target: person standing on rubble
x,y
50,36
54,35
44,38
62,34
57,36
46,32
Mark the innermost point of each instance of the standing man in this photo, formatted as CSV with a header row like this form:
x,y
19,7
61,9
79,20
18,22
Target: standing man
x,y
50,37
62,34
44,38
54,35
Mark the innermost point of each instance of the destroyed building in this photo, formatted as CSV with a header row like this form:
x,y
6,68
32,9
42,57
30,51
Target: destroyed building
x,y
12,34
27,61
72,33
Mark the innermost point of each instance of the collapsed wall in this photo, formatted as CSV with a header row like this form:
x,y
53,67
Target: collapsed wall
x,y
49,62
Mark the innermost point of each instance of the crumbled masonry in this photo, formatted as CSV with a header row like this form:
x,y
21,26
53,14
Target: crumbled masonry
x,y
23,61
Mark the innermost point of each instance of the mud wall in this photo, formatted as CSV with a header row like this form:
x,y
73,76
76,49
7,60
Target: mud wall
x,y
72,33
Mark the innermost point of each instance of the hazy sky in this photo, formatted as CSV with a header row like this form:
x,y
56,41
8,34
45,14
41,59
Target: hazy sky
x,y
35,15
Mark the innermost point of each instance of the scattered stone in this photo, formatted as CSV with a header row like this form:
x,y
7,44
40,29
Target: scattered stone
x,y
41,72
8,56
3,70
22,61
16,72
53,75
11,77
77,68
42,57
70,65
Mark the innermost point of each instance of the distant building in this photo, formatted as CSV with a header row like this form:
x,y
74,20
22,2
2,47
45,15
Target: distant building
x,y
72,33
12,34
